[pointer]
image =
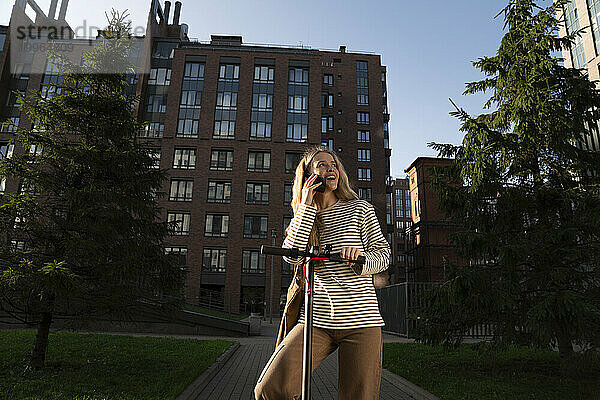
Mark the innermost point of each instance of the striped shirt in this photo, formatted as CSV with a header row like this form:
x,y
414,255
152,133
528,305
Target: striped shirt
x,y
342,299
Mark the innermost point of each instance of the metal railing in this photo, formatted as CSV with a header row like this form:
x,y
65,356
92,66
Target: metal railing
x,y
401,304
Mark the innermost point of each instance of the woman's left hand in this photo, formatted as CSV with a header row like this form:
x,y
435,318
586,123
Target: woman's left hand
x,y
350,253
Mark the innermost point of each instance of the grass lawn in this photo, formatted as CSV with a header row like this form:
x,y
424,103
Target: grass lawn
x,y
103,367
478,371
215,313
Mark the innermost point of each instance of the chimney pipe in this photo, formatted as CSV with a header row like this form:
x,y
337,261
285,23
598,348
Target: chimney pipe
x,y
63,9
167,10
176,13
52,10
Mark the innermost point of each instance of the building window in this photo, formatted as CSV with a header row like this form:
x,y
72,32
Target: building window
x,y
262,103
365,194
160,76
11,125
217,225
264,73
326,100
221,160
364,136
18,245
386,136
35,151
399,204
15,99
362,83
226,108
297,110
253,261
364,174
152,129
154,154
362,117
214,260
259,161
255,226
364,155
184,159
326,123
219,191
52,79
6,150
257,193
407,210
328,79
297,132
417,207
191,99
181,222
181,252
156,104
187,128
291,162
181,190
327,143
287,193
164,50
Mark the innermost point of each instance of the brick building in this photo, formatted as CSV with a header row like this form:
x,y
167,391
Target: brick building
x,y
426,242
230,121
402,221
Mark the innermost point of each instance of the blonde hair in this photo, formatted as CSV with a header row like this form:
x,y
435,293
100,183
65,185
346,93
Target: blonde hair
x,y
342,192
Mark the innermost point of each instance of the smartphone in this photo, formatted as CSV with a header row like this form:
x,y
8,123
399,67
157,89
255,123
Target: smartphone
x,y
319,178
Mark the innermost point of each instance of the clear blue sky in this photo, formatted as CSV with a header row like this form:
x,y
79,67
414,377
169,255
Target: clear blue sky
x,y
427,47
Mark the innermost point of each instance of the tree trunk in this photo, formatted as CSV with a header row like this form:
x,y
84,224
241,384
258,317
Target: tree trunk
x,y
38,355
565,352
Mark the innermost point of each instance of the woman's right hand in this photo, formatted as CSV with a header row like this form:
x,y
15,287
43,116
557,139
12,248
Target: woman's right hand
x,y
308,190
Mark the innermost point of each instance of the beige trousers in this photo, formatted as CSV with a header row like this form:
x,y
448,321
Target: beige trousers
x,y
359,357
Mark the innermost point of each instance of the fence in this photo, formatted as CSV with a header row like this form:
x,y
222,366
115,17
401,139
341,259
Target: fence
x,y
214,300
400,307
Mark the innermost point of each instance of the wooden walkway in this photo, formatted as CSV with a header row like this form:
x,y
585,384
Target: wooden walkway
x,y
238,376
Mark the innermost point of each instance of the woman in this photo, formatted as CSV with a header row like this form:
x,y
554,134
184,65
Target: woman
x,y
345,309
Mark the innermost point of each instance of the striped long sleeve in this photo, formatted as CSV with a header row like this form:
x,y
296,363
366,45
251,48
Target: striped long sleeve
x,y
377,250
343,298
299,231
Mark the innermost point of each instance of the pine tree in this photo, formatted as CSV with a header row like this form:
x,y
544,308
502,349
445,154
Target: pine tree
x,y
525,196
87,212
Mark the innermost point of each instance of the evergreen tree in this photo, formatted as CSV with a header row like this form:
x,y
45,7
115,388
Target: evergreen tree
x,y
87,210
525,195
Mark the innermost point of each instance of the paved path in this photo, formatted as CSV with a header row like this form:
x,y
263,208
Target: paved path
x,y
237,377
